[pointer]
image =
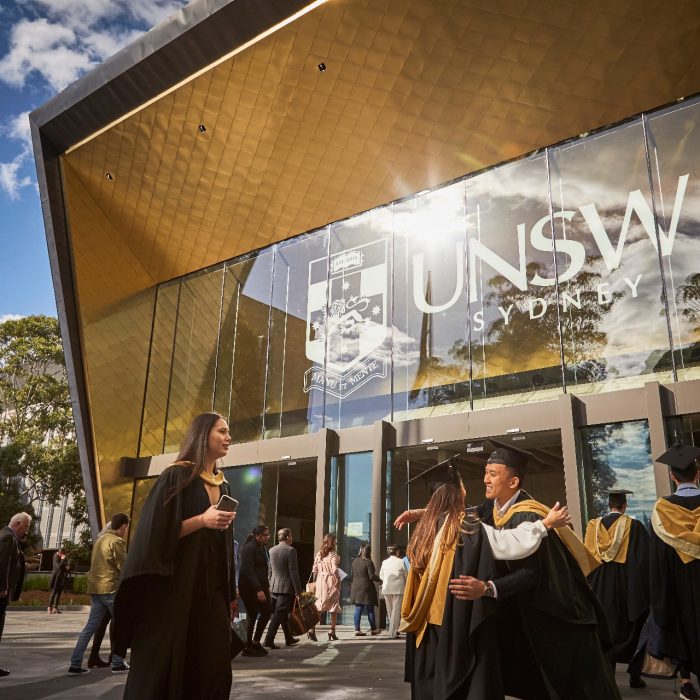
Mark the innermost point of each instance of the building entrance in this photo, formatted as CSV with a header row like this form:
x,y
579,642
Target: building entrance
x,y
544,479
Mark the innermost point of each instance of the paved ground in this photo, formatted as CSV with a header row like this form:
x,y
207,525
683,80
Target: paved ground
x,y
36,648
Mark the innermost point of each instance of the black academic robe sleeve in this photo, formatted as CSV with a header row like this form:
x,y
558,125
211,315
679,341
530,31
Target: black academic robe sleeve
x,y
638,592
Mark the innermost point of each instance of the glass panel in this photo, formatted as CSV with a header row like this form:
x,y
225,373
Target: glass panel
x,y
194,357
610,284
674,145
161,352
142,487
430,335
357,324
351,510
245,483
684,429
294,401
513,311
242,363
617,456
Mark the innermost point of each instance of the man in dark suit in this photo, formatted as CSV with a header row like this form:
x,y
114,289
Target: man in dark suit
x,y
285,584
11,564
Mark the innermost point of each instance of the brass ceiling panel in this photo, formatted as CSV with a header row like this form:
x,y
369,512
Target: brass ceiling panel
x,y
414,94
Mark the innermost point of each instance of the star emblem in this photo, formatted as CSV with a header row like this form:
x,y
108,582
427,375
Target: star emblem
x,y
346,285
375,310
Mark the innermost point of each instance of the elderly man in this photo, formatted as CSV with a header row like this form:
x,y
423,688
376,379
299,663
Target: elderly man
x,y
11,564
108,555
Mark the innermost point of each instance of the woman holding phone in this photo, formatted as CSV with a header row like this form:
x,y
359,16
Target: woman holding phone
x,y
173,605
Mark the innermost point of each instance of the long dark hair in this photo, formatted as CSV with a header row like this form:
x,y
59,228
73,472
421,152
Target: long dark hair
x,y
256,532
447,501
328,544
365,551
193,452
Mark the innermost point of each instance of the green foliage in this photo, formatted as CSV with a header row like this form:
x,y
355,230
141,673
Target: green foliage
x,y
38,582
79,552
37,432
80,584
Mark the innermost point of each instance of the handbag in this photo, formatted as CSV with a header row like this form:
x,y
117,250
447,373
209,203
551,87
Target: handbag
x,y
239,637
311,584
303,617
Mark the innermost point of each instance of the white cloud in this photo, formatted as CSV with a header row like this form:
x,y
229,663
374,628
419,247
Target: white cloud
x,y
11,179
10,317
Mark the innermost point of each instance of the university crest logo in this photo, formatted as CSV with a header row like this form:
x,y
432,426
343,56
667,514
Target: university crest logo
x,y
346,318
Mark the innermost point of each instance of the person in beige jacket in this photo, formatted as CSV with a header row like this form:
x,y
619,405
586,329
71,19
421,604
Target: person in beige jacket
x,y
108,555
393,576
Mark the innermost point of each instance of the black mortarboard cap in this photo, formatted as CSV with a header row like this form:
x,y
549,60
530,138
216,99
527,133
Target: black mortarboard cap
x,y
680,456
619,492
509,455
444,472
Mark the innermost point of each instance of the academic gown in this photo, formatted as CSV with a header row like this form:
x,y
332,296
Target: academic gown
x,y
172,604
675,601
459,659
552,630
623,591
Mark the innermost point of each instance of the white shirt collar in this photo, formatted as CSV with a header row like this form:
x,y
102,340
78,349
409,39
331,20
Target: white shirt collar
x,y
502,510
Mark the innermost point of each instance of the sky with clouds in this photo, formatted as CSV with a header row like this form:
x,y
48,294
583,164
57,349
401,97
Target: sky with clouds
x,y
45,45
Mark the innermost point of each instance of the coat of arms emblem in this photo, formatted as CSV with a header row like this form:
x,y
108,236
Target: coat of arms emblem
x,y
346,319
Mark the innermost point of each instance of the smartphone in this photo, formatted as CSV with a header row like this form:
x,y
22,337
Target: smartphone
x,y
227,503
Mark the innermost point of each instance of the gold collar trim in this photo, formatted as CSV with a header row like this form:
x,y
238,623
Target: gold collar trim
x,y
215,479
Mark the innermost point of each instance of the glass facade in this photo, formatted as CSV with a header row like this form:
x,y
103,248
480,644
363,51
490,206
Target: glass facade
x,y
573,269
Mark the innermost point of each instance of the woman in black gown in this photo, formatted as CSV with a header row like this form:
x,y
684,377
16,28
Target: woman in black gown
x,y
173,603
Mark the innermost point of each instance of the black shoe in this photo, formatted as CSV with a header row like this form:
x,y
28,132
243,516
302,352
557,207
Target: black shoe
x,y
312,636
260,648
270,645
4,672
252,651
122,668
637,682
688,692
97,663
76,671
292,642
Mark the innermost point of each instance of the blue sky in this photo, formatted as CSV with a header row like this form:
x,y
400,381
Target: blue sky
x,y
45,45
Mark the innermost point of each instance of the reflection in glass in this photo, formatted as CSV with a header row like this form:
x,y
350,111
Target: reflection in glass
x,y
351,509
194,356
142,487
684,429
617,456
356,327
244,483
294,401
613,323
430,351
674,145
512,304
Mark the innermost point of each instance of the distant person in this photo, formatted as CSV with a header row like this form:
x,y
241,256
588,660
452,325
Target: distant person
x,y
675,567
254,587
393,575
285,585
325,569
108,555
363,592
12,538
173,606
621,582
59,575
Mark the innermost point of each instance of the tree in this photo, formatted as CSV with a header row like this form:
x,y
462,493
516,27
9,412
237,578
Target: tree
x,y
38,451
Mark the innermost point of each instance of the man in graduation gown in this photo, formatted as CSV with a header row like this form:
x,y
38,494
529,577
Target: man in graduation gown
x,y
552,630
675,566
621,582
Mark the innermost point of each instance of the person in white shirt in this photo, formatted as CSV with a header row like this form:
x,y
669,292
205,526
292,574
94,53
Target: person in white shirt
x,y
393,575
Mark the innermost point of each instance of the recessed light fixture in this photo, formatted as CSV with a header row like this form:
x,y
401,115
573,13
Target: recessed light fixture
x,y
201,128
321,67
109,176
513,430
427,441
433,447
286,456
291,464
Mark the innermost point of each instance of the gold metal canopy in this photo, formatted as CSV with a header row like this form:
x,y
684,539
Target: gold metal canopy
x,y
411,94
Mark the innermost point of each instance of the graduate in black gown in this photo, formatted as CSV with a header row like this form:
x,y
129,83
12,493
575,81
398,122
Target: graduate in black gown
x,y
675,566
552,630
173,603
621,582
451,645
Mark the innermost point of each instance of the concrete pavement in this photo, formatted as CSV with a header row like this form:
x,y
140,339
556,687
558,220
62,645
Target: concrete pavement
x,y
36,648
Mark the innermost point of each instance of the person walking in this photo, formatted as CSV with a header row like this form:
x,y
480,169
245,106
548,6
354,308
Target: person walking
x,y
59,575
393,574
12,538
285,585
108,555
173,606
326,571
363,592
254,587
